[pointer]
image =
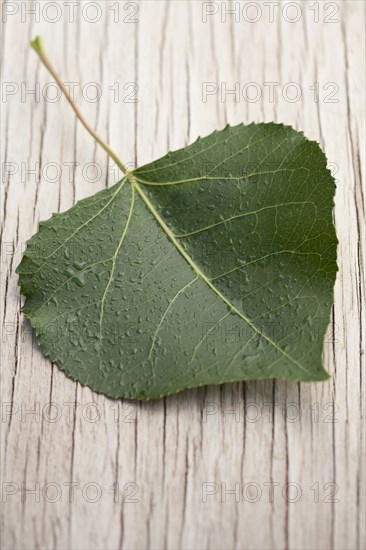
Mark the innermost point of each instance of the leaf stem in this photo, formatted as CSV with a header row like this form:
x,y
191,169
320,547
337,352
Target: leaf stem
x,y
37,45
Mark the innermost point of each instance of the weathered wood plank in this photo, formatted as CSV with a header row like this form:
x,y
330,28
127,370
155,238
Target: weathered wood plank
x,y
171,455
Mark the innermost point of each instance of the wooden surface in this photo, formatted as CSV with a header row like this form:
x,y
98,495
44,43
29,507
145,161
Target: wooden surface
x,y
175,460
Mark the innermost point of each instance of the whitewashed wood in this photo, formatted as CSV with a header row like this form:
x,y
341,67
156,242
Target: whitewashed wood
x,y
175,447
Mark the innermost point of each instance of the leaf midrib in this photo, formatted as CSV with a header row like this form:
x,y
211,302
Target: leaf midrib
x,y
134,182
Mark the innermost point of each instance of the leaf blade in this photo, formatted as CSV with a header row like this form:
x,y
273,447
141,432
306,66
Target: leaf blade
x,y
190,336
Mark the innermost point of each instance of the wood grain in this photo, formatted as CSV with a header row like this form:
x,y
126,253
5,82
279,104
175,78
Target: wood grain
x,y
169,456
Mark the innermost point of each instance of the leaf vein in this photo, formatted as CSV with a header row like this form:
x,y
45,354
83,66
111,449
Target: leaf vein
x,y
101,318
208,282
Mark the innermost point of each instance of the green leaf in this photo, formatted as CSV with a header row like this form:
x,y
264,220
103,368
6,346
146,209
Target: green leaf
x,y
215,263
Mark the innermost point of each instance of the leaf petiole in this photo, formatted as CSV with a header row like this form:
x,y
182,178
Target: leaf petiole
x,y
37,45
